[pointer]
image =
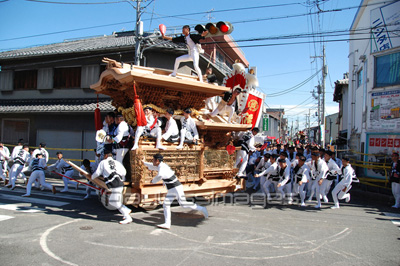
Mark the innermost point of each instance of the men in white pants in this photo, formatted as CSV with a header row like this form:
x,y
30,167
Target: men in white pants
x,y
4,162
189,130
64,168
395,179
16,149
175,189
121,138
262,165
89,167
4,157
284,180
334,170
342,188
113,173
319,169
38,165
23,157
271,176
228,103
242,156
151,129
194,49
301,175
41,150
171,131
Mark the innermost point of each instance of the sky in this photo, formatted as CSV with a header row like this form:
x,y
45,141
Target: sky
x,y
292,34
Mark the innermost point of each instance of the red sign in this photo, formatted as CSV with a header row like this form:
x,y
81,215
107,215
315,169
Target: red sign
x,y
383,142
372,142
397,143
390,143
377,142
253,110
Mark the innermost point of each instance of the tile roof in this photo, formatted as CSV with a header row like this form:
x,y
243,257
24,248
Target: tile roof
x,y
118,40
54,105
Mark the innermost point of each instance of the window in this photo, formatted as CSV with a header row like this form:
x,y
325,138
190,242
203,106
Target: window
x,y
359,78
67,77
15,129
25,80
387,70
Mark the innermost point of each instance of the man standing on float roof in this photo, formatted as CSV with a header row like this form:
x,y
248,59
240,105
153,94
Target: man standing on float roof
x,y
193,43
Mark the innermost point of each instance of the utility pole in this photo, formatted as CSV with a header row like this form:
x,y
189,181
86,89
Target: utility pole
x,y
321,100
138,33
324,73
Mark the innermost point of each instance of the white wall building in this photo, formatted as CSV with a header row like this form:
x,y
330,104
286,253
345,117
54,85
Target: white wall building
x,y
373,100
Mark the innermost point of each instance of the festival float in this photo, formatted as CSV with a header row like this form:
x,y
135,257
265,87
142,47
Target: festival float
x,y
205,169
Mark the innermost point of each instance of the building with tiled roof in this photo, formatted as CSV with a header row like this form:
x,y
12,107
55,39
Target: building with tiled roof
x,y
45,90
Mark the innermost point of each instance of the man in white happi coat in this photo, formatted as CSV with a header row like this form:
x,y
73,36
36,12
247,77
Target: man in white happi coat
x,y
171,133
341,190
16,149
42,150
113,173
284,180
262,165
319,170
89,167
189,130
194,48
301,175
20,160
333,172
229,103
151,129
271,176
121,138
37,166
4,157
174,187
242,156
62,167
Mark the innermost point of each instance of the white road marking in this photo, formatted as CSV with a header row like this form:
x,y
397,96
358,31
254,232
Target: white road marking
x,y
43,243
5,217
20,208
33,200
395,215
157,232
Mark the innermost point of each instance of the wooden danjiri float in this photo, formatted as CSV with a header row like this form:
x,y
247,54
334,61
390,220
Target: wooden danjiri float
x,y
206,169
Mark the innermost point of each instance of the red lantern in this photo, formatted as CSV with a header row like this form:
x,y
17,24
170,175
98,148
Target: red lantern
x,y
97,119
162,29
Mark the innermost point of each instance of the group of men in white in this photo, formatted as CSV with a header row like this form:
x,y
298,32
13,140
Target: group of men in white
x,y
310,172
22,160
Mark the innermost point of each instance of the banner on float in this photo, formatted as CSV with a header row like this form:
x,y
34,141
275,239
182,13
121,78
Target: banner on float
x,y
252,111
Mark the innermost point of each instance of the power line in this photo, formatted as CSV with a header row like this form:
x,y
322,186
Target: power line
x,y
226,10
294,87
75,3
280,74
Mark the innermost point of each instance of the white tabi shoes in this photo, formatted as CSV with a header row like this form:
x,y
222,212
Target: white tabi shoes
x,y
164,226
127,220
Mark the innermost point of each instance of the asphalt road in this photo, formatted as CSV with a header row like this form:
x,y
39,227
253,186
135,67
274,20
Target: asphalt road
x,y
63,229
